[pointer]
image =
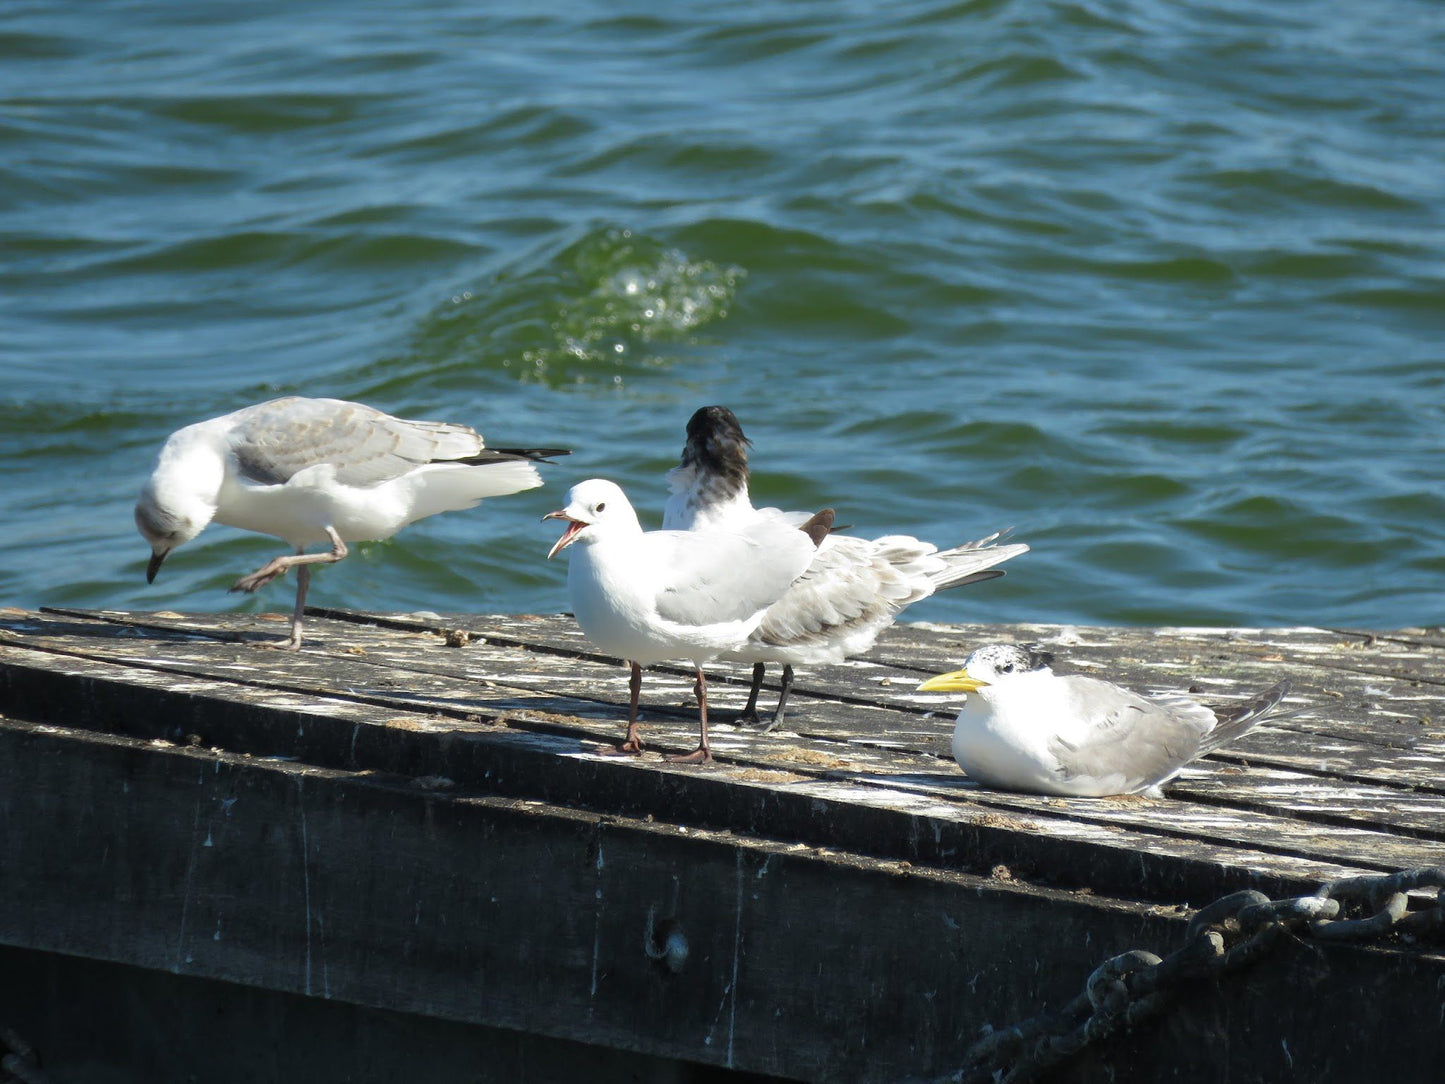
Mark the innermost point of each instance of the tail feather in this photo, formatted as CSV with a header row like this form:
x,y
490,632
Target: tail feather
x,y
449,487
1238,719
962,564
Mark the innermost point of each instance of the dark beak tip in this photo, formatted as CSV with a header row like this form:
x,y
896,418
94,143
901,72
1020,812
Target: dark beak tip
x,y
154,566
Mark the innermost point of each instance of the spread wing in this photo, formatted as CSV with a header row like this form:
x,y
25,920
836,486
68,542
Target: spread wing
x,y
1126,738
274,441
710,577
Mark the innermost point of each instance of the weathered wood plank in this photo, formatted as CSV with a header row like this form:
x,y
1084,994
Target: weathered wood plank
x,y
851,718
96,1022
1360,707
331,885
816,965
878,778
565,671
398,824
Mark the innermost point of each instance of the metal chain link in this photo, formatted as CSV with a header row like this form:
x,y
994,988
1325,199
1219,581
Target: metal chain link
x,y
19,1063
1223,936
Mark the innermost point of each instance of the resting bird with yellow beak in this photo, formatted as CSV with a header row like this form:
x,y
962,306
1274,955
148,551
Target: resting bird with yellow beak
x,y
1025,728
318,472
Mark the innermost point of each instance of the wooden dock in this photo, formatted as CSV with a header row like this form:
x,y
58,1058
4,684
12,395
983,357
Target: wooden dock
x,y
398,851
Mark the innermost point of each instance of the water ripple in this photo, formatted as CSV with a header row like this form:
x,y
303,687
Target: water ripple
x,y
1155,282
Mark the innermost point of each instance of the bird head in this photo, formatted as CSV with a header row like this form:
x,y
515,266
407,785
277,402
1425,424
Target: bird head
x,y
991,664
716,443
168,516
594,508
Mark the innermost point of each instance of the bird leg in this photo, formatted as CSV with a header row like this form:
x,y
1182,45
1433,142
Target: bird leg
x,y
303,581
303,561
787,687
277,566
632,744
702,754
749,715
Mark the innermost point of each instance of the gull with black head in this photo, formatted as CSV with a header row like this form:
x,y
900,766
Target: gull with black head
x,y
318,471
1025,728
853,589
654,596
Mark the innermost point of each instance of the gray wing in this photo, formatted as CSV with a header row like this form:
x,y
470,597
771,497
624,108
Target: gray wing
x,y
274,441
850,584
1127,737
709,577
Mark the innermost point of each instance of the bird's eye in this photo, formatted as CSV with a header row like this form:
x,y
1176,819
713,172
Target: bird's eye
x,y
1006,668
602,507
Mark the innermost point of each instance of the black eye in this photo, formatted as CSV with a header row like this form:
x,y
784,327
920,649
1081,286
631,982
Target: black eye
x,y
1006,668
602,507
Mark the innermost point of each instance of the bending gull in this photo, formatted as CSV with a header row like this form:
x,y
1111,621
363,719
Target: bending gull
x,y
854,588
318,471
651,596
1029,729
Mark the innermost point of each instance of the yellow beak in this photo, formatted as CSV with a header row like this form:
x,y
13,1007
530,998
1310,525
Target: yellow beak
x,y
958,681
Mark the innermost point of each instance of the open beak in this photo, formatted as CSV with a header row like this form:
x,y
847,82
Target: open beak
x,y
574,528
958,681
155,565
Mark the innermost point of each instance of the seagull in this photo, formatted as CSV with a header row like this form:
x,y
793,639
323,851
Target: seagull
x,y
318,471
651,596
1029,729
855,587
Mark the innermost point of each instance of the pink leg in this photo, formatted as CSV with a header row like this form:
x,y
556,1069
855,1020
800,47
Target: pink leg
x,y
277,566
703,753
632,744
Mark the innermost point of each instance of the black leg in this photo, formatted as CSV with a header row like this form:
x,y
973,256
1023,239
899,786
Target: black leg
x,y
749,715
782,699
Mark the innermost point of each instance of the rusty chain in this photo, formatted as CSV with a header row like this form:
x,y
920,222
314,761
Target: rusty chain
x,y
1223,936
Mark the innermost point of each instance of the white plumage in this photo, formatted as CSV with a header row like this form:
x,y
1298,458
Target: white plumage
x,y
853,589
318,471
689,595
1025,728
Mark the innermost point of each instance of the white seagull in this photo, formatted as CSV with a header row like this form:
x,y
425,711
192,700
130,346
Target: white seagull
x,y
651,596
1029,729
854,588
318,471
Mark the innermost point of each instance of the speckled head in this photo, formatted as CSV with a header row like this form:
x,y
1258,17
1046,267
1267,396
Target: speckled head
x,y
988,665
716,445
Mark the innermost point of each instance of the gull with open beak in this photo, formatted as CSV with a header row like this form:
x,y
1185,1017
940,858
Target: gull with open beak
x,y
1025,728
318,471
652,596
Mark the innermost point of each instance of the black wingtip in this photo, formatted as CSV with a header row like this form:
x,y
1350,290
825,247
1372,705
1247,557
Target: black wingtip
x,y
537,455
979,577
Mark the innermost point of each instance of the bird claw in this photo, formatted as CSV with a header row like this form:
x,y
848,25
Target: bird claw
x,y
256,580
293,644
751,720
622,749
700,755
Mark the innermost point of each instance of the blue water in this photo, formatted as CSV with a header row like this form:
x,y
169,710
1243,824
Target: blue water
x,y
1159,284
